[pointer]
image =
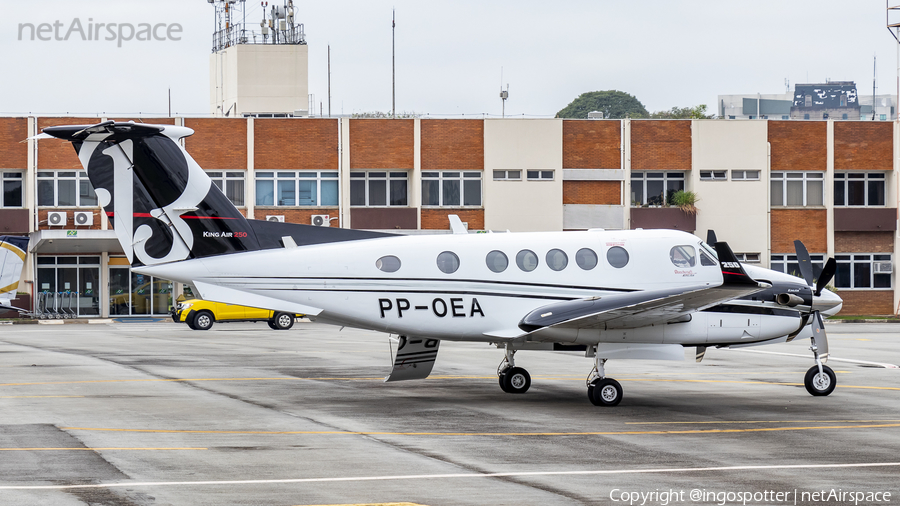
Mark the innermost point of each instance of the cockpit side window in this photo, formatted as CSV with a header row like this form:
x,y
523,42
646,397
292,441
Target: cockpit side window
x,y
683,256
705,260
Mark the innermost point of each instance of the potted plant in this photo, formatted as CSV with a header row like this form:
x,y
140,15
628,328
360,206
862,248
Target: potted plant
x,y
686,201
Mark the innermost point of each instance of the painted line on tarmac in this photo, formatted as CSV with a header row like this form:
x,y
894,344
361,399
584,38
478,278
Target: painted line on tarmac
x,y
90,449
490,434
830,358
523,474
41,396
762,421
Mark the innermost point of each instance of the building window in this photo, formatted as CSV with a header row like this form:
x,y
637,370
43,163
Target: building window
x,y
379,188
859,188
863,271
807,101
59,188
882,117
507,175
843,101
785,117
651,188
788,264
745,175
748,258
844,116
69,285
231,184
713,175
301,188
451,188
730,117
798,188
806,116
539,175
12,189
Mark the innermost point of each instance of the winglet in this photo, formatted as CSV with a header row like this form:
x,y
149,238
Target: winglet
x,y
456,225
733,273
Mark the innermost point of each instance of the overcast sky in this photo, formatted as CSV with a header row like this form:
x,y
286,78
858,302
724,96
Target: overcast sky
x,y
449,54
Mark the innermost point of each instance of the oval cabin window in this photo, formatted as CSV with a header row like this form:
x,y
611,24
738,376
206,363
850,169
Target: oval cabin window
x,y
388,263
617,257
497,261
448,262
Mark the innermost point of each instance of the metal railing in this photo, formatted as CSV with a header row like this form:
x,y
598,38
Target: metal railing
x,y
235,36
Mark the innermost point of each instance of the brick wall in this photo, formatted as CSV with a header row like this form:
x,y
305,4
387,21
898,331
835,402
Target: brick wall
x,y
807,225
660,145
592,192
592,144
57,153
867,302
863,145
301,216
798,145
218,143
381,143
13,152
452,144
294,144
864,242
436,219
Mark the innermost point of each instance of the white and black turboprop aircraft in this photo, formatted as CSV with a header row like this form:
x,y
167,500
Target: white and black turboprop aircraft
x,y
630,294
12,261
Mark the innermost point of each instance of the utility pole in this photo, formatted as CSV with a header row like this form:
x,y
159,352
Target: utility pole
x,y
329,80
393,65
170,102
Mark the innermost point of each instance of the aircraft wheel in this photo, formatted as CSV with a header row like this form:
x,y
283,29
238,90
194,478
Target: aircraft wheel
x,y
515,380
282,321
271,324
203,321
820,384
606,392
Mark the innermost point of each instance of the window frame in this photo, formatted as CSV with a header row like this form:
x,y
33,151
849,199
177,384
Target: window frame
x,y
666,177
278,175
713,175
784,260
853,260
843,178
229,176
80,176
743,175
445,175
506,175
4,179
540,174
805,179
389,175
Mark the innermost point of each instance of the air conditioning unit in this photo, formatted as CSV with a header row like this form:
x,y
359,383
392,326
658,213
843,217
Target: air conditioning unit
x,y
321,220
275,217
57,218
84,218
883,267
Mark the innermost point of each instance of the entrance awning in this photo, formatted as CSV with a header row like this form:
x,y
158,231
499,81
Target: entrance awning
x,y
75,241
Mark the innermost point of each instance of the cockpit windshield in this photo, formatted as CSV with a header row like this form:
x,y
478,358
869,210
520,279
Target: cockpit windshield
x,y
708,256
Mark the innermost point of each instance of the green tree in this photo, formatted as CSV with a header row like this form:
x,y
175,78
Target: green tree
x,y
697,112
612,103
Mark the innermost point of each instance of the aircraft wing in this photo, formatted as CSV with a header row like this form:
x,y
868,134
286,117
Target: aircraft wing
x,y
642,308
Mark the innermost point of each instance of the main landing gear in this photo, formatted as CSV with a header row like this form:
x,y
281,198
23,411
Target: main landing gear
x,y
602,391
513,380
820,380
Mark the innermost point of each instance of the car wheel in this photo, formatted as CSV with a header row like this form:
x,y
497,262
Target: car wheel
x,y
282,321
203,321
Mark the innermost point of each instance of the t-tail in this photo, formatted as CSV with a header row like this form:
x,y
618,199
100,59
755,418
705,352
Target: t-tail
x,y
12,261
163,206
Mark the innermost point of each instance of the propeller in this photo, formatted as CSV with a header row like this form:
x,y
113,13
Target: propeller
x,y
819,339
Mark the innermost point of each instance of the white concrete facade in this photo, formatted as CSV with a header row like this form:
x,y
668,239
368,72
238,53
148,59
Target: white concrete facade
x,y
259,79
522,144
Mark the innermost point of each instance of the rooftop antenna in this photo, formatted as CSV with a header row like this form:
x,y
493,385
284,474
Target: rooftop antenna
x,y
874,74
329,80
787,85
504,94
896,36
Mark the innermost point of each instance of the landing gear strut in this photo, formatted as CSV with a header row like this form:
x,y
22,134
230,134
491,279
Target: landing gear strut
x,y
820,380
602,391
513,380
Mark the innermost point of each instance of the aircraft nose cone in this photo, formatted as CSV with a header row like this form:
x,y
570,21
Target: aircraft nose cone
x,y
828,303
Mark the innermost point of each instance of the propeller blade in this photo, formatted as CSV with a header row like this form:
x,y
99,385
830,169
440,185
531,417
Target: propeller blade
x,y
805,262
711,237
826,275
819,338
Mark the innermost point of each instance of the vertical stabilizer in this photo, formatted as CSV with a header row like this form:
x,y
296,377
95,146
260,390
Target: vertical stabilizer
x,y
12,261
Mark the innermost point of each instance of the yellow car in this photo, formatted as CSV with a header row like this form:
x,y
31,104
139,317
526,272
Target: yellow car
x,y
200,314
